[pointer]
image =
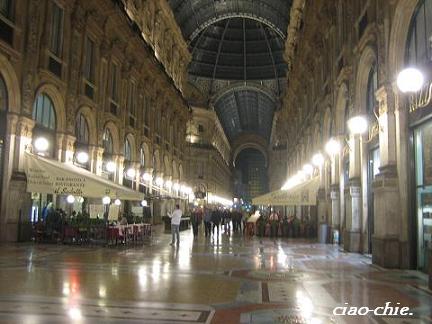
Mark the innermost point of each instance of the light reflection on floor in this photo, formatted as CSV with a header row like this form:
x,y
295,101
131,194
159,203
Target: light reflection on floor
x,y
228,279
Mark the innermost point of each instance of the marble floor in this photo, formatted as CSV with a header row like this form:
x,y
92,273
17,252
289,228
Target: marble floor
x,y
229,279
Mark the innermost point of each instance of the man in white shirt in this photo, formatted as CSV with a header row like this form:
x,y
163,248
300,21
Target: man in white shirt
x,y
175,224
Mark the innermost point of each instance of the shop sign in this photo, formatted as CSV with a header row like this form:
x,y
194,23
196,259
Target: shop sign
x,y
421,99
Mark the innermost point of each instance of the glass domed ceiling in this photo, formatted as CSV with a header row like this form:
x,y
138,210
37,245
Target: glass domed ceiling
x,y
237,62
238,49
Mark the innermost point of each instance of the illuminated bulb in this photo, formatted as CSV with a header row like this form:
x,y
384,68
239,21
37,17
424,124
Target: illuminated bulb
x,y
106,200
308,169
318,159
332,147
144,203
70,199
358,125
82,157
117,202
159,181
130,173
146,176
176,186
41,144
410,80
110,166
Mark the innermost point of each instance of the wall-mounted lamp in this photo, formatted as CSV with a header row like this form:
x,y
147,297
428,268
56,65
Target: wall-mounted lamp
x,y
82,157
358,125
332,147
41,144
410,80
110,166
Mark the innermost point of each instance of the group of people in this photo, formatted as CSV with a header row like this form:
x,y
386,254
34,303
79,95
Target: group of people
x,y
215,218
268,224
274,225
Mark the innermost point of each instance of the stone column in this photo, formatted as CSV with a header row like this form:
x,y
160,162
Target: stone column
x,y
386,245
96,159
136,180
58,152
23,140
335,207
68,150
353,207
119,161
8,151
149,183
334,165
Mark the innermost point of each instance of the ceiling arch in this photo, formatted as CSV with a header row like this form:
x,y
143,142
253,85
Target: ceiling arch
x,y
236,42
245,111
193,16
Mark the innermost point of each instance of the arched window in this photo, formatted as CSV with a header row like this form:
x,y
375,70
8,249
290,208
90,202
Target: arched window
x,y
142,157
43,112
372,87
127,150
3,95
81,129
107,142
419,50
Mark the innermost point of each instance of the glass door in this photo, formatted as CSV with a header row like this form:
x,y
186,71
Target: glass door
x,y
423,168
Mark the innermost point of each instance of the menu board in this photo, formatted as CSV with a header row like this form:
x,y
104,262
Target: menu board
x,y
96,211
137,211
113,213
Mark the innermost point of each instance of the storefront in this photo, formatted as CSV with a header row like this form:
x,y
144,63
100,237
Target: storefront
x,y
419,107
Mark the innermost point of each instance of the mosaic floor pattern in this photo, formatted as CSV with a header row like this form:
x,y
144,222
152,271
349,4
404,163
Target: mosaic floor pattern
x,y
228,279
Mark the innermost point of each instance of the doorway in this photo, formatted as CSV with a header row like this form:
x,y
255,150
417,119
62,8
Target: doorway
x,y
423,188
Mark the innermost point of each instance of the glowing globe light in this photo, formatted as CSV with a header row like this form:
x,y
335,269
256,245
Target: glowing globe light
x,y
159,181
333,147
82,157
147,176
308,169
110,166
318,159
144,203
117,202
41,144
410,80
358,125
70,199
130,173
106,200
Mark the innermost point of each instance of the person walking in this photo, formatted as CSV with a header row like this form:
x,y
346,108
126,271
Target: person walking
x,y
175,224
216,218
207,221
196,221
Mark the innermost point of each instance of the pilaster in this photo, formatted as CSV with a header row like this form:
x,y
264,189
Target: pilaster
x,y
352,236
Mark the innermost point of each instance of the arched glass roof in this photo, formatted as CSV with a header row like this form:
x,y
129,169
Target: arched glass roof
x,y
234,41
238,49
245,111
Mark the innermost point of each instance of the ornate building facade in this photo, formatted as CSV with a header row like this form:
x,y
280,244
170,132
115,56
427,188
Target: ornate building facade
x,y
88,78
208,162
344,58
